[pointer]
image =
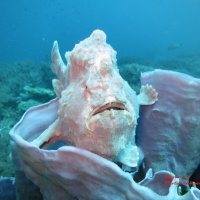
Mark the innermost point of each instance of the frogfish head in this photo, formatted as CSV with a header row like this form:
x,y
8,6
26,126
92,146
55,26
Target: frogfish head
x,y
98,110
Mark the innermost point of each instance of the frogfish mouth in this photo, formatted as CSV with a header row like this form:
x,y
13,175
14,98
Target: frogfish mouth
x,y
117,105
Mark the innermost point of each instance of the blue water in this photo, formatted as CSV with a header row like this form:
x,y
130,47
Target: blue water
x,y
144,28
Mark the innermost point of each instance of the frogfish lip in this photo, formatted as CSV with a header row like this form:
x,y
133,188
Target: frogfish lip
x,y
115,105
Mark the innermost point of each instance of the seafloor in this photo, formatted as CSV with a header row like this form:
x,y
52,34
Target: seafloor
x,y
25,84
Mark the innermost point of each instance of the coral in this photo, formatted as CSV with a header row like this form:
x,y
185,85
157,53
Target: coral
x,y
189,64
6,166
37,93
7,96
24,105
12,102
131,72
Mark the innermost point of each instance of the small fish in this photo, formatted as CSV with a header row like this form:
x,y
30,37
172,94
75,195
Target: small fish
x,y
174,46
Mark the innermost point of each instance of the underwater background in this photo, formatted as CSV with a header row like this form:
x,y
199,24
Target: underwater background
x,y
145,28
146,34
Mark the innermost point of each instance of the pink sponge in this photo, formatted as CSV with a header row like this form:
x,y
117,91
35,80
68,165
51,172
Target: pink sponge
x,y
169,132
168,135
